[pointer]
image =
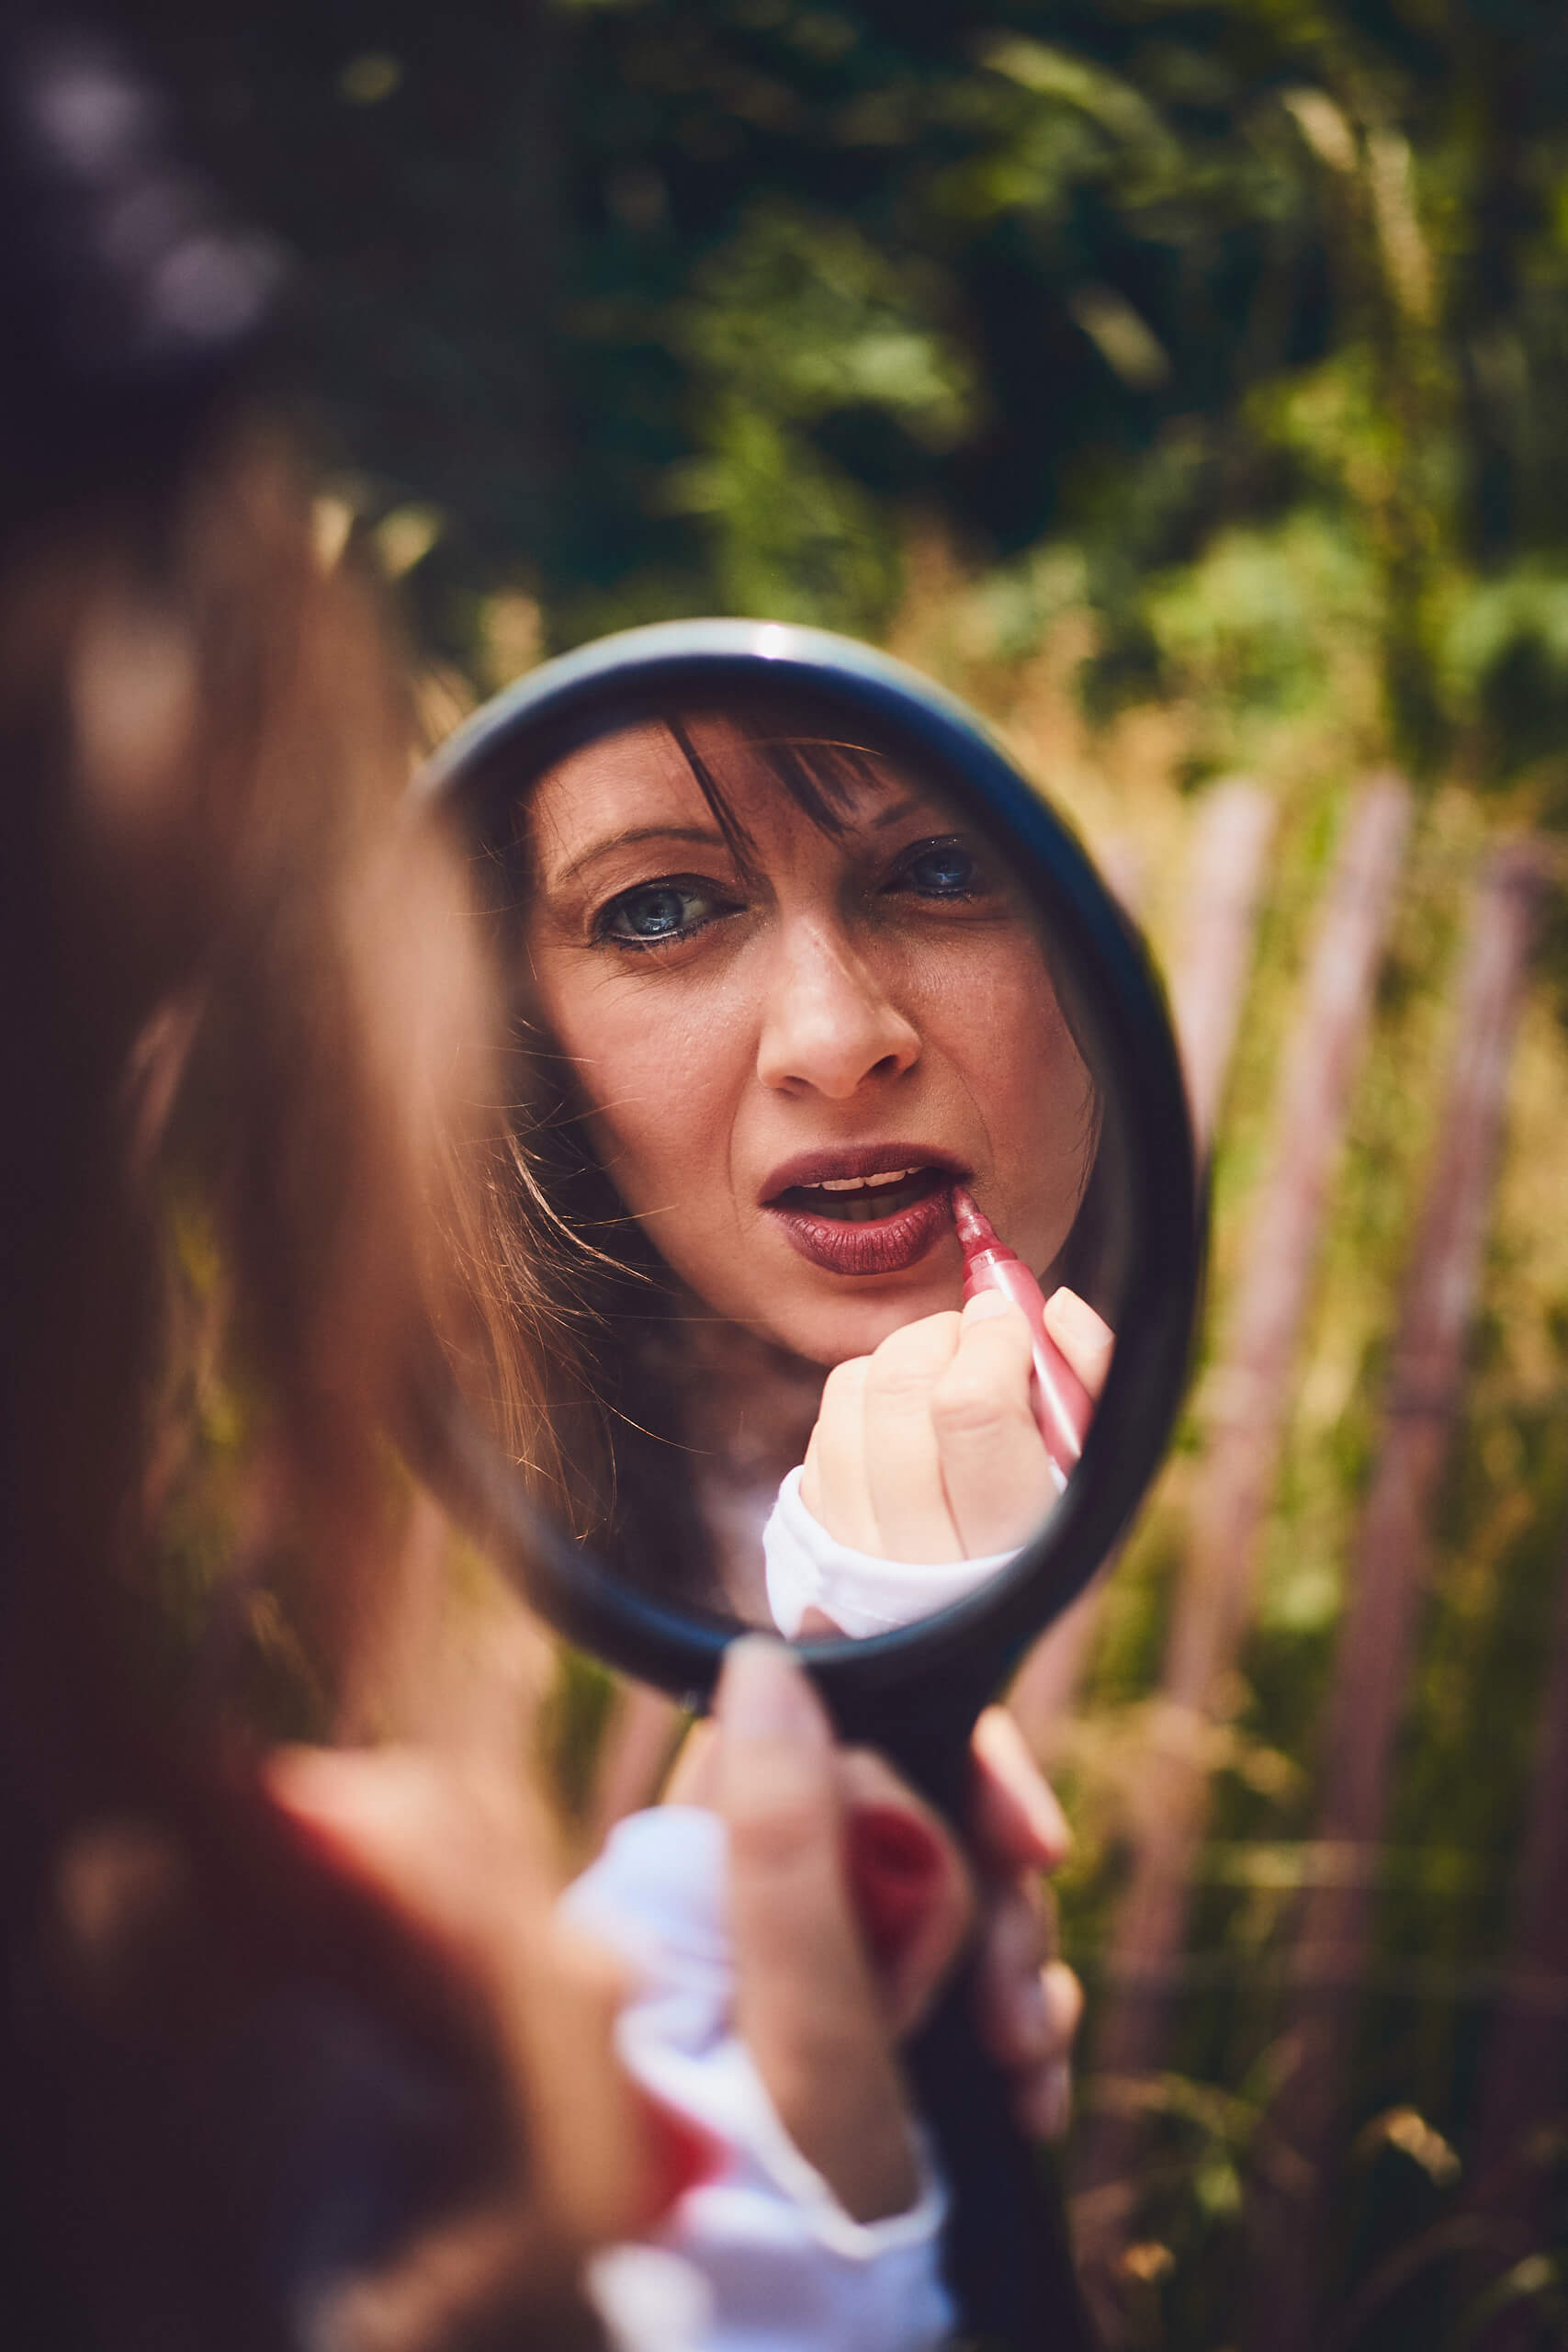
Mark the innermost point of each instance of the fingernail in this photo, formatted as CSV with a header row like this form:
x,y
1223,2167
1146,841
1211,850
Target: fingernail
x,y
894,1868
987,1305
1049,1823
763,1693
1002,1749
1068,1312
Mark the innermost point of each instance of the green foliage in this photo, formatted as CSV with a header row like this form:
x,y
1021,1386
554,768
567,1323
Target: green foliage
x,y
795,321
1505,653
1253,625
694,302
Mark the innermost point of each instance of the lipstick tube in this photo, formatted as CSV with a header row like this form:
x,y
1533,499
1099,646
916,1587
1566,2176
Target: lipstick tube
x,y
1063,1406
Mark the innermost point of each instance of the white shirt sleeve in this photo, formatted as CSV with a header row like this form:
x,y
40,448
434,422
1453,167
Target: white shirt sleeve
x,y
806,1569
782,2265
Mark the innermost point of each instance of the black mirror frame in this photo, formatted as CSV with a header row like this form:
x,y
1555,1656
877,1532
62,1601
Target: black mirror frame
x,y
956,1657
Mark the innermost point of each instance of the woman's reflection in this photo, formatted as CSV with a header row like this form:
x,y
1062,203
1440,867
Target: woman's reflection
x,y
780,1000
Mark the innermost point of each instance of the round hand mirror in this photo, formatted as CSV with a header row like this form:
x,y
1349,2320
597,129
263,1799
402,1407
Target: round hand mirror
x,y
822,1025
851,1167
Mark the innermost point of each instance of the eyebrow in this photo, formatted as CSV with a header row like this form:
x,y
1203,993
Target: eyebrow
x,y
901,809
705,836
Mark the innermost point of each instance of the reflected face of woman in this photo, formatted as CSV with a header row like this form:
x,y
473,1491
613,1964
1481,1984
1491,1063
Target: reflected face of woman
x,y
789,1054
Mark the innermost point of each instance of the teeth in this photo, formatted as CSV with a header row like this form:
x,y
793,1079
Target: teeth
x,y
861,1184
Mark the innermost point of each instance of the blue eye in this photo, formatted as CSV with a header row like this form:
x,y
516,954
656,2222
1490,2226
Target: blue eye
x,y
942,870
657,911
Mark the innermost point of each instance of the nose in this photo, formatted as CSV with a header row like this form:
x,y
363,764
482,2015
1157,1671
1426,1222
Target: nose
x,y
828,1022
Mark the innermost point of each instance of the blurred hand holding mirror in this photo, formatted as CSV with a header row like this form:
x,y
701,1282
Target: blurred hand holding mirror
x,y
798,1080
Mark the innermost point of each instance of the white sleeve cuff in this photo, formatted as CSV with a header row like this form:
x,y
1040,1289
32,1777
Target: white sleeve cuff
x,y
862,1594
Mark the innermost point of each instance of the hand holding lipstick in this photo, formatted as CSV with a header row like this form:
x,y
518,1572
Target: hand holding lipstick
x,y
930,1450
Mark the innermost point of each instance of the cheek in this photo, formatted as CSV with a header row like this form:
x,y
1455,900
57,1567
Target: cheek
x,y
1056,1144
1047,1083
661,1081
1018,1062
995,1015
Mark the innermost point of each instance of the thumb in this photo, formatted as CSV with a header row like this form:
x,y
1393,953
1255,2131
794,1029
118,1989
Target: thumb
x,y
806,2002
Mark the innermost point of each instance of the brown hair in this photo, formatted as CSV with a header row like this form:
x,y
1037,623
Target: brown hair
x,y
232,1097
245,1063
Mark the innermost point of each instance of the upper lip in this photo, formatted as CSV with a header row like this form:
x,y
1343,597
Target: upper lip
x,y
859,1159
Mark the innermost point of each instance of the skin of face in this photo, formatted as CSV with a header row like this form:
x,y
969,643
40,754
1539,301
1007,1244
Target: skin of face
x,y
828,998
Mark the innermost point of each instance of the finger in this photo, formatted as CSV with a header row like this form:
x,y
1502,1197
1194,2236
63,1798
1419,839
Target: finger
x,y
1084,1339
1065,2006
1015,1821
805,2004
1041,2094
936,1901
1042,2102
914,1896
995,1474
903,1471
1027,2013
833,1483
1010,1993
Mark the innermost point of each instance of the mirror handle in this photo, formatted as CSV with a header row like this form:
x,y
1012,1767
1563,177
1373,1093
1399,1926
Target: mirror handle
x,y
1007,2254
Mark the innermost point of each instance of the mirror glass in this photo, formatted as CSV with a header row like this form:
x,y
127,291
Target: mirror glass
x,y
794,1062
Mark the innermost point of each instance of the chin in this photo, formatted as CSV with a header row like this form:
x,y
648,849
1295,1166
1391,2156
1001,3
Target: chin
x,y
858,1327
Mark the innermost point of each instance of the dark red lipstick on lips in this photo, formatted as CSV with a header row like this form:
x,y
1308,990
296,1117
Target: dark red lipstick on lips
x,y
1063,1406
865,1210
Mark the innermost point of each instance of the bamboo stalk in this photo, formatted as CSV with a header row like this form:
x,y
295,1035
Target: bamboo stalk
x,y
1249,1400
1372,1662
1213,961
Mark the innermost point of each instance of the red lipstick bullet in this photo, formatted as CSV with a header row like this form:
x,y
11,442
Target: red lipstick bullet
x,y
1063,1406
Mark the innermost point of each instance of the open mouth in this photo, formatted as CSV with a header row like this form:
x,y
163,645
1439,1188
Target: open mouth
x,y
863,1200
876,1210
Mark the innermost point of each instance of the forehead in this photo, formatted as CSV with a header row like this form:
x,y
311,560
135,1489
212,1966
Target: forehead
x,y
639,778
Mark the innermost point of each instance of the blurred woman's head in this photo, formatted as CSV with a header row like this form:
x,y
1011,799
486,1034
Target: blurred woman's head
x,y
243,1042
227,1098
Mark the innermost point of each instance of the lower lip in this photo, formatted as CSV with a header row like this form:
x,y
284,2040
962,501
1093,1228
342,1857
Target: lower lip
x,y
888,1247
